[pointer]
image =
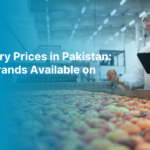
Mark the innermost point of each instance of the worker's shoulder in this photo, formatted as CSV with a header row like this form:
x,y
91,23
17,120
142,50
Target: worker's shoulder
x,y
146,48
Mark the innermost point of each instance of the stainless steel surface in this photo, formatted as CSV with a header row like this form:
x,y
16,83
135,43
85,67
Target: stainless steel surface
x,y
90,86
58,85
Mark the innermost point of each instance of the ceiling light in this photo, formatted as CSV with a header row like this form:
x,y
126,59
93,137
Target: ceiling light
x,y
123,29
132,22
111,38
106,42
116,34
122,2
100,28
91,38
71,37
48,26
86,42
142,14
76,26
73,32
95,33
48,36
105,21
47,18
113,12
83,10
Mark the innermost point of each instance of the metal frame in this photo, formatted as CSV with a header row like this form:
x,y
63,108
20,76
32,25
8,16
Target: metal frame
x,y
90,86
57,86
119,52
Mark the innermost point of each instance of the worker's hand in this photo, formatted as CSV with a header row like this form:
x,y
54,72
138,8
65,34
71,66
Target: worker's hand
x,y
117,80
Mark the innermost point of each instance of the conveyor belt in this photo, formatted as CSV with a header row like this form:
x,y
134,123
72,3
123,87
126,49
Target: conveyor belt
x,y
145,94
78,120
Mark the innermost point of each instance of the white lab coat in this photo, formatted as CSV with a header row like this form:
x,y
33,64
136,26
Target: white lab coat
x,y
137,76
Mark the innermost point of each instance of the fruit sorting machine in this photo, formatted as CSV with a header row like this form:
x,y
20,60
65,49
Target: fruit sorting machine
x,y
106,87
79,116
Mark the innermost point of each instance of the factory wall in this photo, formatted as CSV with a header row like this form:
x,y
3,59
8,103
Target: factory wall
x,y
131,56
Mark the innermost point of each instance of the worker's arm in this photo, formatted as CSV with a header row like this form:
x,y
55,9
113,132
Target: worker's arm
x,y
120,81
134,78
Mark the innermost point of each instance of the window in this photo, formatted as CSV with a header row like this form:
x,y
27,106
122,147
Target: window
x,y
117,58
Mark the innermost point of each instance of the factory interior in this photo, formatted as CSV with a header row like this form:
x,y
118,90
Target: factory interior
x,y
89,26
75,111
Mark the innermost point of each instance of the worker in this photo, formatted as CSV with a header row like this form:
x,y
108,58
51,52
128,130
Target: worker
x,y
137,76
